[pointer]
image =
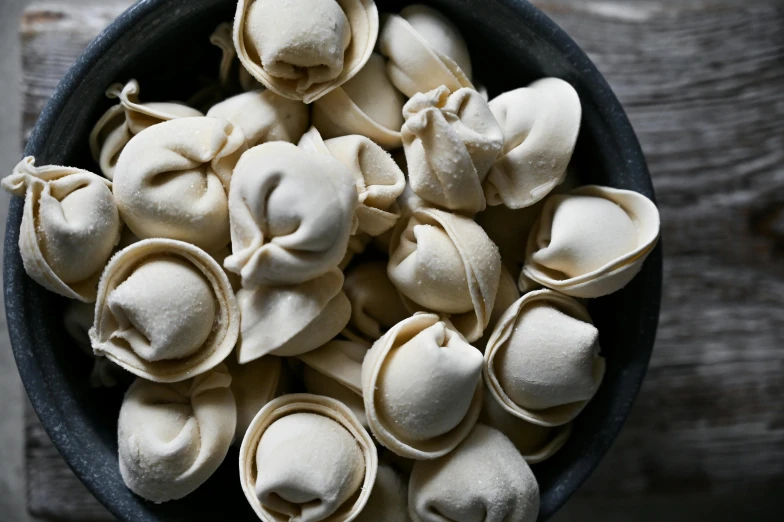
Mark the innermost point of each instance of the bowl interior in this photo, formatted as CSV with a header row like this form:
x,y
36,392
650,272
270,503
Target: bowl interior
x,y
164,44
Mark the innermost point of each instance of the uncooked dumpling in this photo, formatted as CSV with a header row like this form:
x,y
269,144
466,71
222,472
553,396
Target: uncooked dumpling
x,y
306,458
540,124
388,500
422,387
173,437
165,312
123,121
451,139
542,361
291,215
445,263
424,51
375,303
592,241
303,49
368,105
70,225
172,181
264,116
484,480
292,320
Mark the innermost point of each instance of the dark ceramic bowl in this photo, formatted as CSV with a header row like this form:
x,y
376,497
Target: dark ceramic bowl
x,y
164,43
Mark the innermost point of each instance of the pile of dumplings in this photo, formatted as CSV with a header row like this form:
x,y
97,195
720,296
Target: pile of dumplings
x,y
343,260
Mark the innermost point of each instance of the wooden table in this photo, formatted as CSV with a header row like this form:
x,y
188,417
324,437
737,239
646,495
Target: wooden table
x,y
703,84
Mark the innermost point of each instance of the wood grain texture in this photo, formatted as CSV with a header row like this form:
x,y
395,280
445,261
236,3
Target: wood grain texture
x,y
703,85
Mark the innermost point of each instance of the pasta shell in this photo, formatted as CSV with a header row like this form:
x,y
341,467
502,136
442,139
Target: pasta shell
x,y
165,312
307,458
591,242
173,437
534,442
542,361
303,49
70,225
540,124
422,387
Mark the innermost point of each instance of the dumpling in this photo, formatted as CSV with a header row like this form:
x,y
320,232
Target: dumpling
x,y
173,437
534,442
591,242
70,225
389,499
303,49
451,139
484,480
264,116
306,203
172,181
378,179
422,387
307,458
445,263
425,51
375,303
291,320
540,124
78,319
368,105
253,385
165,312
335,370
123,121
542,362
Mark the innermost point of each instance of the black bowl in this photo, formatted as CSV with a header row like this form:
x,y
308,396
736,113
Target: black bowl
x,y
164,43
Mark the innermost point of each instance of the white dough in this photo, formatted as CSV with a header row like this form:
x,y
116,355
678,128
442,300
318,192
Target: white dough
x,y
165,311
422,387
172,180
303,49
307,458
451,139
291,215
172,437
375,303
592,241
542,361
70,225
484,480
540,125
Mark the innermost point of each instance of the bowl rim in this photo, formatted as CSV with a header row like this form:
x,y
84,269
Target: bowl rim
x,y
45,406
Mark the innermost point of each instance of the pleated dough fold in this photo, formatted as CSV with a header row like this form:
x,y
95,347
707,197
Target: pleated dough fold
x,y
303,49
173,437
592,241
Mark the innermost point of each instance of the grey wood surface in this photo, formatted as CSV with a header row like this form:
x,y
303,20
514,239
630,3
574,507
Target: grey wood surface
x,y
703,84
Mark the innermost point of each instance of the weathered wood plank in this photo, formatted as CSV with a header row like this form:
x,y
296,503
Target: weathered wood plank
x,y
703,84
